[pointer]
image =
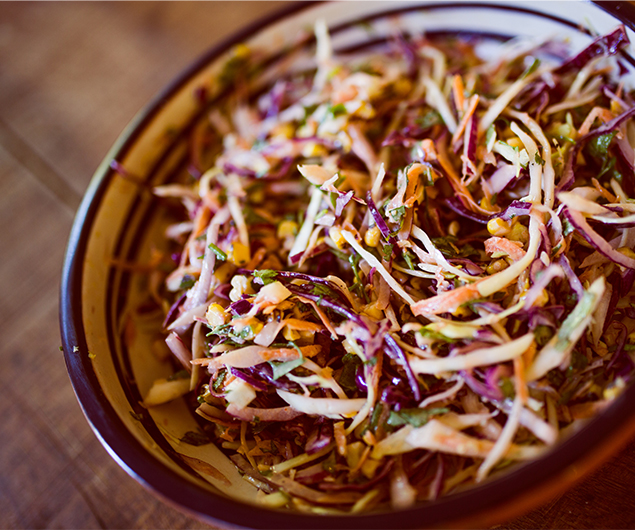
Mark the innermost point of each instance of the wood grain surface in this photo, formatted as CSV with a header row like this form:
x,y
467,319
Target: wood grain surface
x,y
72,75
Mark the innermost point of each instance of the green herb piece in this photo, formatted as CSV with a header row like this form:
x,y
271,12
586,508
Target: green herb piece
x,y
538,159
219,253
429,119
322,290
507,387
414,417
187,282
531,69
407,256
283,368
267,276
567,227
374,418
337,110
220,379
348,375
397,215
387,252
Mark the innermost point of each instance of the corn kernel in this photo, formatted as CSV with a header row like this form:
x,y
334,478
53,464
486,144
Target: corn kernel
x,y
542,299
496,266
336,235
403,86
223,272
216,315
519,232
284,130
627,252
373,312
290,334
369,467
498,227
344,141
287,229
453,229
312,149
354,454
371,237
485,203
616,108
615,389
238,254
242,51
365,111
515,142
461,311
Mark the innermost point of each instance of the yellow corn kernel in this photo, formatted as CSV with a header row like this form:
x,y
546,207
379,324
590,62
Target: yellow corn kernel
x,y
242,51
373,312
369,467
453,229
519,232
290,334
238,253
287,229
616,108
283,130
371,237
461,311
336,235
354,454
615,389
402,86
542,299
312,149
515,142
485,204
345,141
627,252
498,227
223,272
365,111
216,315
496,266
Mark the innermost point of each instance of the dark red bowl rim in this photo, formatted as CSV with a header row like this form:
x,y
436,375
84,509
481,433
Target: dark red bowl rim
x,y
533,479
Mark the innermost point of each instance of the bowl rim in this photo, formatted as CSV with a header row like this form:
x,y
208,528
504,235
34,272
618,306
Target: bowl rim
x,y
570,460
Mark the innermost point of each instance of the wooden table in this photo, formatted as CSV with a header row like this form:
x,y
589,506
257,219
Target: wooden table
x,y
71,77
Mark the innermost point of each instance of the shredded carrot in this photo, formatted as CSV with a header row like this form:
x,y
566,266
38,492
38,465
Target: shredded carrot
x,y
449,301
596,112
458,90
340,437
467,115
498,246
519,379
603,191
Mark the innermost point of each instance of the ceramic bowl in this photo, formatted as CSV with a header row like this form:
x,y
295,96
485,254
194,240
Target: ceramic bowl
x,y
109,350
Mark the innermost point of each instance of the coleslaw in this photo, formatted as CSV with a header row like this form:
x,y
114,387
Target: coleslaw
x,y
407,268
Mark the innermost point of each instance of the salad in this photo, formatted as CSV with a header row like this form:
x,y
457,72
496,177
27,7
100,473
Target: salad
x,y
406,269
